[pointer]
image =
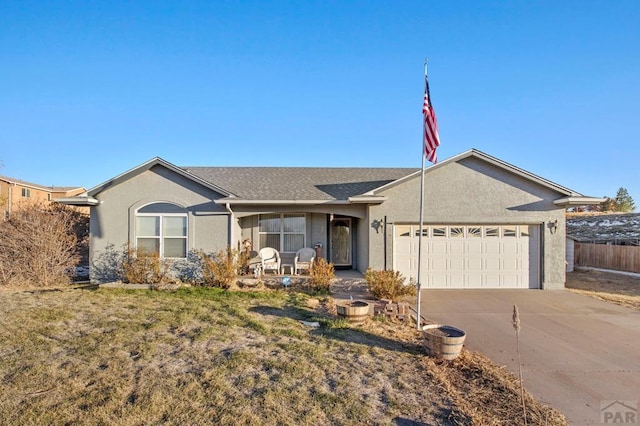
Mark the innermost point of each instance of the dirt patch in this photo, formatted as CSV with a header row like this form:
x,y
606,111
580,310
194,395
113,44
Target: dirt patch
x,y
620,289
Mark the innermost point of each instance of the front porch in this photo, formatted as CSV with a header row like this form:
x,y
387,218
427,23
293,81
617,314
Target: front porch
x,y
333,236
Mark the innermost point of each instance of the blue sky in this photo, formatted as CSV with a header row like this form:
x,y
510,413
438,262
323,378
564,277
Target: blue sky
x,y
91,89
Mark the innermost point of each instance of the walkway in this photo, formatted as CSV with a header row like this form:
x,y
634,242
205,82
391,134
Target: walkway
x,y
350,284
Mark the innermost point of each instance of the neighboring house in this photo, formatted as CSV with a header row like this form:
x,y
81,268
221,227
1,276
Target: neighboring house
x,y
609,228
598,239
488,224
15,193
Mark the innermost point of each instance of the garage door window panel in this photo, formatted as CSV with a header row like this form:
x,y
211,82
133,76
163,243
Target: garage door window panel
x,y
510,231
403,231
491,231
439,232
425,231
474,232
457,232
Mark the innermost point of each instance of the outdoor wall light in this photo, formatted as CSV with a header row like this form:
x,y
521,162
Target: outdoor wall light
x,y
377,224
553,226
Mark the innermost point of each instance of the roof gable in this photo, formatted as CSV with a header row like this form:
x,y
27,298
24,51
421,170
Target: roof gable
x,y
157,161
561,190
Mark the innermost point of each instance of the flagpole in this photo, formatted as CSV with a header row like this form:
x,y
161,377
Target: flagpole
x,y
419,284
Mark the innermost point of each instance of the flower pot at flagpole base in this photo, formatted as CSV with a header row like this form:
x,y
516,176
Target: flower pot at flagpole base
x,y
355,312
443,341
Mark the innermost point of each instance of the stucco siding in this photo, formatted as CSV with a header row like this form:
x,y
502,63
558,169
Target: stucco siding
x,y
113,220
361,260
472,191
318,231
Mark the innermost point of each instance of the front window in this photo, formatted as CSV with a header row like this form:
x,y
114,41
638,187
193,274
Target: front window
x,y
284,232
162,228
26,192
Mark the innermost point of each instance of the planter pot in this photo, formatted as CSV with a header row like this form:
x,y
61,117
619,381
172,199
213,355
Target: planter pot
x,y
443,341
355,312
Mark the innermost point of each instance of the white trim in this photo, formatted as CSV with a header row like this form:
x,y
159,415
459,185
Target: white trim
x,y
282,232
489,159
244,201
578,201
373,199
160,237
147,166
77,201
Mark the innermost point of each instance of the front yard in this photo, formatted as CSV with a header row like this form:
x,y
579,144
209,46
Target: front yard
x,y
619,288
206,356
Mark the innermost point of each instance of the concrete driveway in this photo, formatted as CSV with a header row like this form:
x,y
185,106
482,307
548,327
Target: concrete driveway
x,y
578,353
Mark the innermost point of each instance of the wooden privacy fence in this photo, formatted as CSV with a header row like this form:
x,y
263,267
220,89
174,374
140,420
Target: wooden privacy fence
x,y
618,258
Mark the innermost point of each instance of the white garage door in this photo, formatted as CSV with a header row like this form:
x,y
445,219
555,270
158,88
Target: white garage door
x,y
469,256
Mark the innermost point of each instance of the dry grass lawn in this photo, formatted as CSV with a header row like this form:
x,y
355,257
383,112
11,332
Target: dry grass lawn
x,y
620,289
206,356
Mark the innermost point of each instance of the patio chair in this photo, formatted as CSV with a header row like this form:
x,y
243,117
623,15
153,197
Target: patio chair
x,y
303,260
270,260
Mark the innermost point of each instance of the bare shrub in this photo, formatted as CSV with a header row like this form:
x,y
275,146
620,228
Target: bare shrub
x,y
189,269
321,275
388,284
106,265
144,267
38,245
221,268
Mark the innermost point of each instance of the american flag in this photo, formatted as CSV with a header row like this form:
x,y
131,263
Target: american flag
x,y
430,136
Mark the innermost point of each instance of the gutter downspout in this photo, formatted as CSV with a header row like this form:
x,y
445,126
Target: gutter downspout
x,y
231,221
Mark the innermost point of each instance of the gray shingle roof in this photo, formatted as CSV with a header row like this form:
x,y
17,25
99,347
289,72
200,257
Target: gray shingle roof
x,y
298,183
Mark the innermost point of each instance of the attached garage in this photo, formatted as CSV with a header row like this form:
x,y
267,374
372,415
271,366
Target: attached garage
x,y
470,256
488,225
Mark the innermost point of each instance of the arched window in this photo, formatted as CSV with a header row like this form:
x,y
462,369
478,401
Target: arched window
x,y
162,228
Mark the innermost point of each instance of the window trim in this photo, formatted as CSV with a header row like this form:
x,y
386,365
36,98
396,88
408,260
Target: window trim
x,y
161,237
282,232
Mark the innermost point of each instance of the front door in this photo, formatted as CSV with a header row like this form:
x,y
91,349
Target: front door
x,y
341,242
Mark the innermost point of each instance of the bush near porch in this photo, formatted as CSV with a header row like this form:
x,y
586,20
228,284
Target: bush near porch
x,y
388,284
